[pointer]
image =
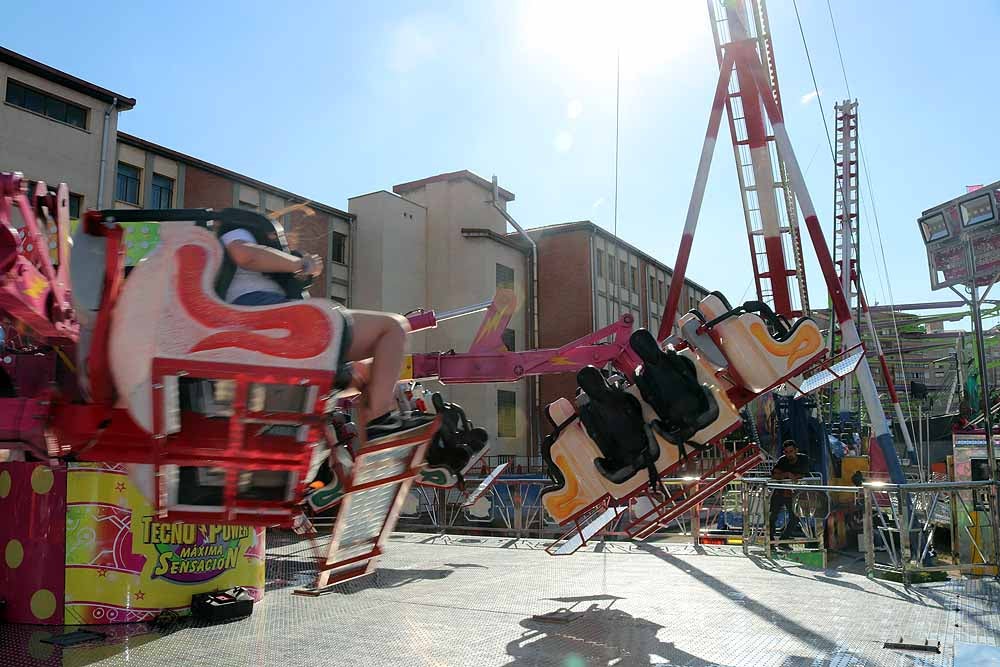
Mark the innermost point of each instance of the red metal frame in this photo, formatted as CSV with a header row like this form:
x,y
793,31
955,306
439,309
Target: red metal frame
x,y
240,454
740,461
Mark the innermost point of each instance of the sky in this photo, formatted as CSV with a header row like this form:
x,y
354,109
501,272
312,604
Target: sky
x,y
336,99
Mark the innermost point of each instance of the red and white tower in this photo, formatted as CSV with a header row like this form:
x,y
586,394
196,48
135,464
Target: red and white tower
x,y
768,201
846,241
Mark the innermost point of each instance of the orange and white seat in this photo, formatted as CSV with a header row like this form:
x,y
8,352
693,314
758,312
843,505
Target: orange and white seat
x,y
758,359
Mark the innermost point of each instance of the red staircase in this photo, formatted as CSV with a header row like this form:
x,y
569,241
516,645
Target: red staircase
x,y
699,490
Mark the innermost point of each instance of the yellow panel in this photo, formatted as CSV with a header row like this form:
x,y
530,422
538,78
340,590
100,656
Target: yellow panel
x,y
407,372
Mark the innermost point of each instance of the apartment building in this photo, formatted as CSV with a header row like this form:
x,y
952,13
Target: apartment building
x,y
58,128
588,278
438,243
148,175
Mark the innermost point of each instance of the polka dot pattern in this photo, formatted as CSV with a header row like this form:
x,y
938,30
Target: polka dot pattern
x,y
43,604
4,484
13,554
42,480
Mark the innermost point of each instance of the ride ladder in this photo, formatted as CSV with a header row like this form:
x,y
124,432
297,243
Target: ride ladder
x,y
696,492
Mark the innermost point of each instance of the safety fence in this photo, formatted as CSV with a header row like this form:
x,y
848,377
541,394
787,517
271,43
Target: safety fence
x,y
904,520
904,529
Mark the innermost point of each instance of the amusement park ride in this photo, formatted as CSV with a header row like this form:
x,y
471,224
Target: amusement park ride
x,y
222,414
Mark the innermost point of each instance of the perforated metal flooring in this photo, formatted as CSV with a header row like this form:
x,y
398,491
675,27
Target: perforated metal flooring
x,y
476,601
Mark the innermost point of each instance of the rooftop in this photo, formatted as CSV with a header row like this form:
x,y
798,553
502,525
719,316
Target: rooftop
x,y
138,142
462,175
588,226
66,80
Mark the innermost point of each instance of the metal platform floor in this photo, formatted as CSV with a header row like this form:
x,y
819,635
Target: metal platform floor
x,y
455,600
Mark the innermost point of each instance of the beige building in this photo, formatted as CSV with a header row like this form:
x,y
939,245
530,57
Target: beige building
x,y
437,243
148,175
58,128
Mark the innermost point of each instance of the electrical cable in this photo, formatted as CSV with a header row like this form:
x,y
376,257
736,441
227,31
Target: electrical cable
x,y
872,204
812,73
618,93
836,38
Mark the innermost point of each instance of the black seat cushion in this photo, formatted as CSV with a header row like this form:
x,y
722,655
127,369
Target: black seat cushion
x,y
669,383
613,419
555,474
457,441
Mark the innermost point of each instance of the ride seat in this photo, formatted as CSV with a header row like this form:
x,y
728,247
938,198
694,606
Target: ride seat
x,y
669,383
690,327
97,269
759,357
458,444
168,313
614,420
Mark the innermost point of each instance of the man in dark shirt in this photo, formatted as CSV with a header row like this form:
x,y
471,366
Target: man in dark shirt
x,y
790,467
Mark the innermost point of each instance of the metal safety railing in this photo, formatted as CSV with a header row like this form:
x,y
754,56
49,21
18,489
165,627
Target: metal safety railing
x,y
807,502
902,520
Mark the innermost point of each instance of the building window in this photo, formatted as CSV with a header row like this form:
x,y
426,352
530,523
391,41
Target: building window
x,y
339,300
248,206
505,277
338,248
652,289
508,339
622,273
75,206
506,414
127,185
663,296
163,192
600,264
633,273
34,100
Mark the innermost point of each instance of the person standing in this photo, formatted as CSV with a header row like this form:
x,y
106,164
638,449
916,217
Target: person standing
x,y
791,466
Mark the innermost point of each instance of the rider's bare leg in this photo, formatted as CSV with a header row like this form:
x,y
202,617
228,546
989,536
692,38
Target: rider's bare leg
x,y
381,337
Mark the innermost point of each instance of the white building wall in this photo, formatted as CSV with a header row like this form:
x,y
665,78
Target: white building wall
x,y
399,269
44,149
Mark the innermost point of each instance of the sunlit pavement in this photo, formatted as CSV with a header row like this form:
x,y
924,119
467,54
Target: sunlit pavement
x,y
453,600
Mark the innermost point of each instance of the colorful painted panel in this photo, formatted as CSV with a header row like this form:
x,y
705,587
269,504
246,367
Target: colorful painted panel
x,y
32,534
124,566
140,239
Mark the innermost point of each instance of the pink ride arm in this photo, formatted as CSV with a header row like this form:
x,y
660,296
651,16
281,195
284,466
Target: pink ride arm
x,y
472,367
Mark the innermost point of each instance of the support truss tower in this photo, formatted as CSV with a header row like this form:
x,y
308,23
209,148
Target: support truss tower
x,y
768,201
846,239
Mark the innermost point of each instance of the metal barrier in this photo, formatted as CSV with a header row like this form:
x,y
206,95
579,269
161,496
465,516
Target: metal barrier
x,y
511,507
962,507
810,503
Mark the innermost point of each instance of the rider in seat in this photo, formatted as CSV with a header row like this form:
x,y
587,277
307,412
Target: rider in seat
x,y
378,336
669,383
458,444
613,419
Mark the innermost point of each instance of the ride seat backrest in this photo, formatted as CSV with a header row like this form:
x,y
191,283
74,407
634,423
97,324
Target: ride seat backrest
x,y
169,310
456,441
669,383
92,288
758,358
614,420
688,326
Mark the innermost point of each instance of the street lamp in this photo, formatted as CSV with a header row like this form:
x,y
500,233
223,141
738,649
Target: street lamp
x,y
962,238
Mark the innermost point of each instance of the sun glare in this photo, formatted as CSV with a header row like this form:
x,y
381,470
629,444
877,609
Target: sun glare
x,y
584,36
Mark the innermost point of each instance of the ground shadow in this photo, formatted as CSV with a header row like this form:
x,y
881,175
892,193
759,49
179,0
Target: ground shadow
x,y
384,578
595,634
26,644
